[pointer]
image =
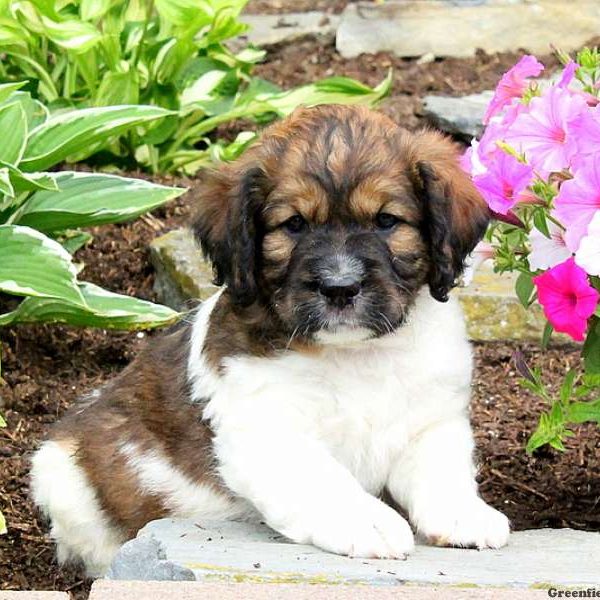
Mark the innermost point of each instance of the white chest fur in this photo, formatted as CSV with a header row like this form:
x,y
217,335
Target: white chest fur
x,y
363,401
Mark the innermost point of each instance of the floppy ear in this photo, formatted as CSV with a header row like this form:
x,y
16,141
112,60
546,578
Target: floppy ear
x,y
455,215
225,226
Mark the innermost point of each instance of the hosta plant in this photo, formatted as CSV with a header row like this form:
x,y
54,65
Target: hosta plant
x,y
41,213
538,167
169,53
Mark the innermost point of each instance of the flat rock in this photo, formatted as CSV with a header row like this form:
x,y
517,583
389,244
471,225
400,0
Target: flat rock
x,y
493,311
455,28
181,271
159,590
229,551
268,30
461,116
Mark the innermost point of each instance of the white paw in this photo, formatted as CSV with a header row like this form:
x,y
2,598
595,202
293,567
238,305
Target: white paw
x,y
471,524
367,529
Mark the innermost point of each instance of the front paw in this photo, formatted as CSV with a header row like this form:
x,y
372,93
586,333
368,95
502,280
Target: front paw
x,y
367,528
470,524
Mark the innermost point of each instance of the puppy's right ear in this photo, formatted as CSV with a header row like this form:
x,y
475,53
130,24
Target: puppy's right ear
x,y
225,225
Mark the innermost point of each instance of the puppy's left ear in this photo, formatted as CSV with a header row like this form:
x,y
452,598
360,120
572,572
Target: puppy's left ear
x,y
455,214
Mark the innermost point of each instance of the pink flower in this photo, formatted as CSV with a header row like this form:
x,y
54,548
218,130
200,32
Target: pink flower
x,y
542,133
578,200
547,252
505,179
513,84
567,298
568,74
585,129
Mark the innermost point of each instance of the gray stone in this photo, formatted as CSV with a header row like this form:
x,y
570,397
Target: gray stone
x,y
185,590
242,552
268,30
444,28
181,271
459,116
144,559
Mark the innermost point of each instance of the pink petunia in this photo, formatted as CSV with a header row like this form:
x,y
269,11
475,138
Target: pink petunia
x,y
585,130
513,84
568,74
567,298
542,133
504,180
578,201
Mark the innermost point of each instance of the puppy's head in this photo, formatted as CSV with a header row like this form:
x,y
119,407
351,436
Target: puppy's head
x,y
336,219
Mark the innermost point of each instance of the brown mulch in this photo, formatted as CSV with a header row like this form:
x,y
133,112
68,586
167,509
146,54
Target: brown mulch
x,y
279,7
46,368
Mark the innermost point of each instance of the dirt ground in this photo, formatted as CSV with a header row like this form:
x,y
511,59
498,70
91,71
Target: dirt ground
x,y
47,368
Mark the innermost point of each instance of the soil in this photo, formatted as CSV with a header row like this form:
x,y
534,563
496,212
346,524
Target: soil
x,y
47,368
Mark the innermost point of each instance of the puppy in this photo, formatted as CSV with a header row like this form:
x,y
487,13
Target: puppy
x,y
332,366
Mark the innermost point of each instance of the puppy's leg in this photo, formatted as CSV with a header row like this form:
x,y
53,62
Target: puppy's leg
x,y
434,480
305,494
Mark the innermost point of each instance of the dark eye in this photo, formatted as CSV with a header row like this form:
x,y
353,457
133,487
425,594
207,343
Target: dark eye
x,y
294,224
386,220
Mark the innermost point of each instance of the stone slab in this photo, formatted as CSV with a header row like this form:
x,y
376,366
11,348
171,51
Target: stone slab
x,y
443,28
134,590
237,552
458,116
34,596
493,311
269,30
181,271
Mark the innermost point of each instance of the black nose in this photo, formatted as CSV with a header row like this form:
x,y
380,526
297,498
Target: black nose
x,y
339,291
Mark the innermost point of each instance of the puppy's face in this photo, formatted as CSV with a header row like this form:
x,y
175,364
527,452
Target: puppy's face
x,y
336,219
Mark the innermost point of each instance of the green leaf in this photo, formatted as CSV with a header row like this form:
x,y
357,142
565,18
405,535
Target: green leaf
x,y
73,240
86,199
34,265
3,529
591,348
539,220
566,389
330,91
74,131
524,288
6,89
2,422
118,88
202,89
26,182
581,412
6,187
35,112
184,13
93,9
547,333
102,309
76,36
13,125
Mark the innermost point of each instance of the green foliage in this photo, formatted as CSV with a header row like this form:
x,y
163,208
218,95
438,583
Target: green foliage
x,y
40,211
166,53
570,406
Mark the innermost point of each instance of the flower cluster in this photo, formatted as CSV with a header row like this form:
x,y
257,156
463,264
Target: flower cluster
x,y
538,167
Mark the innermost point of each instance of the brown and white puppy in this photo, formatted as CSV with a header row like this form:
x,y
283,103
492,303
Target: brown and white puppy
x,y
330,368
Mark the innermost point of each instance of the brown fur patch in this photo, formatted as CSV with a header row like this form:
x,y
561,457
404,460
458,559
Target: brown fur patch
x,y
148,404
